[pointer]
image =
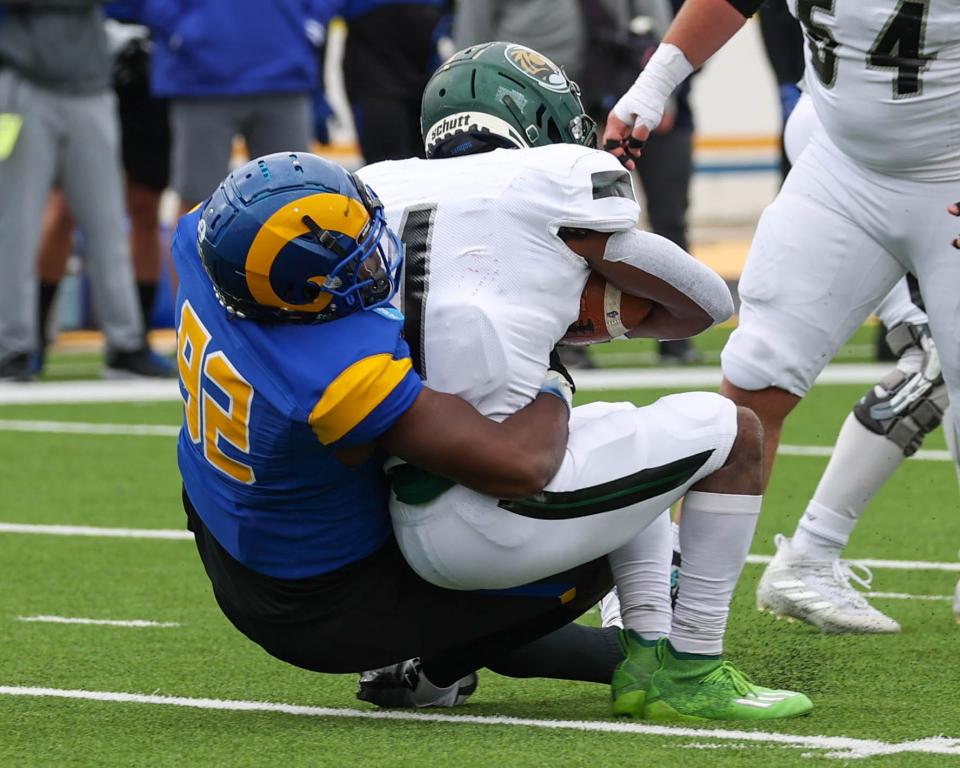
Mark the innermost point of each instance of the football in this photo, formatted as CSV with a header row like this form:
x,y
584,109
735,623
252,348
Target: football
x,y
605,313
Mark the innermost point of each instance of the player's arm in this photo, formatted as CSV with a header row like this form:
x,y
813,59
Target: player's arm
x,y
511,459
688,296
699,30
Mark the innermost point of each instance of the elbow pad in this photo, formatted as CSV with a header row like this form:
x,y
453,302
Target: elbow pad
x,y
663,259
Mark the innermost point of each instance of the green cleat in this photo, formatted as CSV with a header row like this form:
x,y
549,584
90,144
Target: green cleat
x,y
631,678
694,688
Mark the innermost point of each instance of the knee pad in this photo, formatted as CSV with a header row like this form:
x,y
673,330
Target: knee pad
x,y
905,407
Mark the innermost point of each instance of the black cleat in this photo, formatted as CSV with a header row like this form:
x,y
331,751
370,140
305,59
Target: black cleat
x,y
397,686
18,367
141,362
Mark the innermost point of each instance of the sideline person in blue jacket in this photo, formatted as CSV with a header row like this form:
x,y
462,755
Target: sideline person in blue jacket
x,y
231,67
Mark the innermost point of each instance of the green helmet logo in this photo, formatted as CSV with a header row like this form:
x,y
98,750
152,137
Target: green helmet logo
x,y
501,95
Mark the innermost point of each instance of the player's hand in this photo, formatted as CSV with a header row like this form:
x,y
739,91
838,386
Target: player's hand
x,y
622,141
668,123
954,210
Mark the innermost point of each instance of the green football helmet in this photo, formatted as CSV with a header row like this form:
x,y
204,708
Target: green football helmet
x,y
501,95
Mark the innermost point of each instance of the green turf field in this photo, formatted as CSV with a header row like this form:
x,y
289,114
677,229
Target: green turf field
x,y
98,695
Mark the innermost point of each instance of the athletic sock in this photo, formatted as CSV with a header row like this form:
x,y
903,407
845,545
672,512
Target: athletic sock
x,y
48,292
573,652
147,293
861,463
715,534
641,571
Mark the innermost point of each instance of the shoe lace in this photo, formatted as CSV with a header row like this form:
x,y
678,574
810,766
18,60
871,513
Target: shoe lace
x,y
845,571
727,672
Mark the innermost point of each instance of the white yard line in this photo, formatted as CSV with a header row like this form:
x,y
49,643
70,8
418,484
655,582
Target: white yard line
x,y
177,535
96,532
139,390
88,428
128,391
834,746
709,376
166,430
905,596
883,565
826,450
135,623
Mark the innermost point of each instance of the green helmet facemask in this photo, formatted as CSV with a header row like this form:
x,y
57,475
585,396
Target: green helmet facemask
x,y
501,95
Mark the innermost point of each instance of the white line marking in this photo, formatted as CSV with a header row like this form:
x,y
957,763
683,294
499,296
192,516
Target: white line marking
x,y
174,534
889,565
167,430
136,390
137,623
905,596
128,391
839,746
86,530
656,378
88,428
825,450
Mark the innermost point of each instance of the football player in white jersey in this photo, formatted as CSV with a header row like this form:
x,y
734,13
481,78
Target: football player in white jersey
x,y
502,227
866,202
807,579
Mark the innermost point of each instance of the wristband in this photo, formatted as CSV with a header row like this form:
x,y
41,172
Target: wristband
x,y
554,383
643,104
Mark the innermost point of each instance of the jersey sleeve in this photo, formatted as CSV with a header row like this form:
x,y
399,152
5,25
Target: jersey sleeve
x,y
365,399
580,188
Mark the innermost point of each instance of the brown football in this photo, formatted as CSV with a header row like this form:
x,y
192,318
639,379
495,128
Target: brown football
x,y
605,313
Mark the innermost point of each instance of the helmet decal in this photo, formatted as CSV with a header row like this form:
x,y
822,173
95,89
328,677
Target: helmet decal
x,y
537,67
329,211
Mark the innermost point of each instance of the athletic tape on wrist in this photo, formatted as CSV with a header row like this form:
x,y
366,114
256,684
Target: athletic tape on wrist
x,y
645,101
661,258
554,383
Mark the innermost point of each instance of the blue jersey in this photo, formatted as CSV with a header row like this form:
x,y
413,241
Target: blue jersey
x,y
275,448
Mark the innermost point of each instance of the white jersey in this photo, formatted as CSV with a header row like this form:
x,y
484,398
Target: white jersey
x,y
884,76
489,287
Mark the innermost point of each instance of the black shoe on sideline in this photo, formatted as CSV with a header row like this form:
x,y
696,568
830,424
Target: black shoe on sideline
x,y
18,367
141,362
679,352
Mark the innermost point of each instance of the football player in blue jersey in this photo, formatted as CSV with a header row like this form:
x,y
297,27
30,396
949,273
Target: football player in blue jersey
x,y
296,383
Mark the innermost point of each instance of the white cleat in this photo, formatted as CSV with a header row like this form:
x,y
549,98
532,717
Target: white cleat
x,y
819,593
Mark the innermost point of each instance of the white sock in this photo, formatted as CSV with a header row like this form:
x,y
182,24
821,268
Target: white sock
x,y
861,463
641,571
715,534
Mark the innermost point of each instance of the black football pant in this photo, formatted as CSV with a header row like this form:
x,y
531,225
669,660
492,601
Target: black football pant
x,y
378,611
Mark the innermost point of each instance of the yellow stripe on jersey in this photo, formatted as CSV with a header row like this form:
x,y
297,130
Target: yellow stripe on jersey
x,y
353,395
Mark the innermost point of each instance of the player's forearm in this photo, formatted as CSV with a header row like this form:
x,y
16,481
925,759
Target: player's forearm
x,y
689,296
699,30
702,27
512,459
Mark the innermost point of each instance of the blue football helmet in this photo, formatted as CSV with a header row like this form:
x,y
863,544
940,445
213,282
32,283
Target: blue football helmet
x,y
294,237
